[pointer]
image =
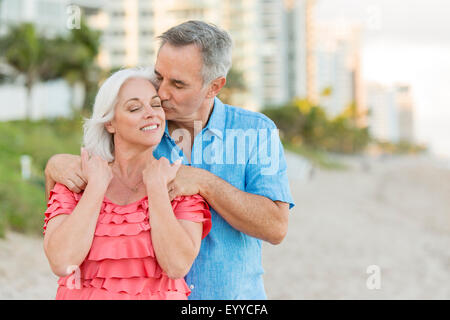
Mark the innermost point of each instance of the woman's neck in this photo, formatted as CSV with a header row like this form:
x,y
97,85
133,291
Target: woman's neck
x,y
130,163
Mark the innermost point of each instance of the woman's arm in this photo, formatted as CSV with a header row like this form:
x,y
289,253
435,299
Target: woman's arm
x,y
176,242
252,214
68,238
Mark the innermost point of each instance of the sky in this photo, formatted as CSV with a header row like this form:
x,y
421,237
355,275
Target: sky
x,y
405,41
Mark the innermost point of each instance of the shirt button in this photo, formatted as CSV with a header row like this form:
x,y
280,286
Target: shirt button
x,y
192,287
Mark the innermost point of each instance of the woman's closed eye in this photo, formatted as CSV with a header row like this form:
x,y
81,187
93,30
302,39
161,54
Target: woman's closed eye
x,y
134,108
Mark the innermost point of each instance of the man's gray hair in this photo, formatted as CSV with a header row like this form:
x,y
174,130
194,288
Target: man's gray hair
x,y
97,140
214,43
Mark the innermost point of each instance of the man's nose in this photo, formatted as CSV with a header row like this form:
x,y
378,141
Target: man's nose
x,y
163,91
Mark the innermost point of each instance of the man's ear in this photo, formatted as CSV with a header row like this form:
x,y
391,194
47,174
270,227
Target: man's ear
x,y
109,127
215,87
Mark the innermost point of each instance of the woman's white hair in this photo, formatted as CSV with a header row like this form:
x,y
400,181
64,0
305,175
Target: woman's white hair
x,y
96,139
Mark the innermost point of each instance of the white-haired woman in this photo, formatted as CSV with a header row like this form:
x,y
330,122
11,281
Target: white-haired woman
x,y
122,238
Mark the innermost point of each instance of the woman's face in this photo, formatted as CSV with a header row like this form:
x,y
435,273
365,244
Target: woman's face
x,y
139,119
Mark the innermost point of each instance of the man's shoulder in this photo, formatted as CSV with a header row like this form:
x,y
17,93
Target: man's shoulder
x,y
240,117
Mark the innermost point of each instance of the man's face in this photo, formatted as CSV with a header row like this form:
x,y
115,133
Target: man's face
x,y
179,70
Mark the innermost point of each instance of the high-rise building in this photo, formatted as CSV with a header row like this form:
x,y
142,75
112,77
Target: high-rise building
x,y
273,39
49,16
296,65
268,40
339,82
405,111
391,112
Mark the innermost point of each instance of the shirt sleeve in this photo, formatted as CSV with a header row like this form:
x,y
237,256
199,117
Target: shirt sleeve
x,y
266,170
193,208
61,201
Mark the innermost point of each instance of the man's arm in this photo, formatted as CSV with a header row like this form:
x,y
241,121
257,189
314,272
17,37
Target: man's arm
x,y
252,214
65,169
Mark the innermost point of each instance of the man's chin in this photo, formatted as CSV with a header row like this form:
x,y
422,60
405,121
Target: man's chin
x,y
169,114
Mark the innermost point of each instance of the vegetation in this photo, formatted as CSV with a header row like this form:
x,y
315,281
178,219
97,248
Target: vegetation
x,y
34,57
235,85
27,52
304,124
22,202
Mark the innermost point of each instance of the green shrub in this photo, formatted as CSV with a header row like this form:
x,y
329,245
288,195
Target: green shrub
x,y
22,203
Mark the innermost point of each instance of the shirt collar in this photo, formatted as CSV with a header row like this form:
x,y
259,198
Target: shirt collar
x,y
216,123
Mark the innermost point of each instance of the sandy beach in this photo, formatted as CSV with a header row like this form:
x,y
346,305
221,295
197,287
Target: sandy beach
x,y
391,212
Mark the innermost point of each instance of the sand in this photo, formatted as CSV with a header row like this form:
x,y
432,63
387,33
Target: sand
x,y
390,212
393,213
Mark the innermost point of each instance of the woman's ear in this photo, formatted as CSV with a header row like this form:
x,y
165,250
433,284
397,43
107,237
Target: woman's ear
x,y
109,127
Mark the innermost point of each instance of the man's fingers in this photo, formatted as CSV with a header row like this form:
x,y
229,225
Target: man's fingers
x,y
82,178
72,187
176,165
78,182
172,194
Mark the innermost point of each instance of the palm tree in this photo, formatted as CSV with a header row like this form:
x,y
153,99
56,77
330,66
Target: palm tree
x,y
26,52
76,59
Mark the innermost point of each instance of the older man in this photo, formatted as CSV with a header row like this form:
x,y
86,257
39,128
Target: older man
x,y
231,156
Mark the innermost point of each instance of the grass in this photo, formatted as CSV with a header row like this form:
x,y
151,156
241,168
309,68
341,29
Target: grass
x,y
22,202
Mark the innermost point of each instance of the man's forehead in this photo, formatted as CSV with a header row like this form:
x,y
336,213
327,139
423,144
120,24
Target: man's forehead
x,y
179,59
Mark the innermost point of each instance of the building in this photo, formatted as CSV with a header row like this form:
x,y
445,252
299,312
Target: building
x,y
338,77
268,35
391,114
273,39
405,111
51,18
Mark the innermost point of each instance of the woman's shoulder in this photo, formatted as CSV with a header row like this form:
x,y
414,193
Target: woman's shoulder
x,y
63,192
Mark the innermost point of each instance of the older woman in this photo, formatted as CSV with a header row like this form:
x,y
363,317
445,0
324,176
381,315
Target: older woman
x,y
122,238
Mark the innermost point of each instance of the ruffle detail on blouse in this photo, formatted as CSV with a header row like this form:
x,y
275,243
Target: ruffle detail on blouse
x,y
61,201
129,268
193,208
130,229
121,263
134,217
121,247
134,286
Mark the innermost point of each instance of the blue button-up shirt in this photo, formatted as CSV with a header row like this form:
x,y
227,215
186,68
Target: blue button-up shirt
x,y
243,148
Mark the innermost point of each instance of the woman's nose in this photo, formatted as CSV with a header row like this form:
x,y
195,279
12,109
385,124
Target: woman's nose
x,y
150,111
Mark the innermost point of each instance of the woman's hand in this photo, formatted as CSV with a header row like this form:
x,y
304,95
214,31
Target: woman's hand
x,y
159,173
96,170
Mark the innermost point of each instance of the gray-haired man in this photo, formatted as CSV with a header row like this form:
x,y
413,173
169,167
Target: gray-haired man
x,y
248,191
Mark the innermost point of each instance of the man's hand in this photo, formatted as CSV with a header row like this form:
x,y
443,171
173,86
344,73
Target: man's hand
x,y
66,169
186,182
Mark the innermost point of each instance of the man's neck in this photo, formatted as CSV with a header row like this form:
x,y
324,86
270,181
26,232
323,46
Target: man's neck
x,y
197,122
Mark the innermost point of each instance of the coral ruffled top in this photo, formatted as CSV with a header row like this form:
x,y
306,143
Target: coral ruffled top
x,y
121,263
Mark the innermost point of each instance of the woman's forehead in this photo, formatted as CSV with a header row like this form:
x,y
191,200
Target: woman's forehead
x,y
137,86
